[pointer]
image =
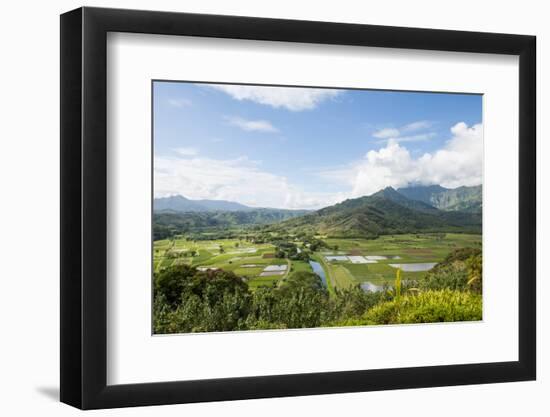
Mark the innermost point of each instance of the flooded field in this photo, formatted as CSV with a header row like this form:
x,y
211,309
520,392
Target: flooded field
x,y
414,267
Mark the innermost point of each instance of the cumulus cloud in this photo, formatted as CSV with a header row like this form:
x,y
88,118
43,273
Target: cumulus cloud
x,y
251,125
238,179
411,138
459,162
290,98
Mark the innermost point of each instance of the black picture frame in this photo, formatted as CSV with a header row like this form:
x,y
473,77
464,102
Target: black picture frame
x,y
84,207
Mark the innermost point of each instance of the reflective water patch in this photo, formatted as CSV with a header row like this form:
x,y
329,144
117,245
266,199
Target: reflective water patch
x,y
376,257
360,260
415,267
336,258
271,273
272,268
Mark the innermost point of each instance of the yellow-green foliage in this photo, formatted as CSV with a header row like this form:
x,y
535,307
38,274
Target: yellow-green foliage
x,y
398,284
475,272
426,307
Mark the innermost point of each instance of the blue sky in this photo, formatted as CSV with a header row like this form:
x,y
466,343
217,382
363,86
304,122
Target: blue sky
x,y
307,148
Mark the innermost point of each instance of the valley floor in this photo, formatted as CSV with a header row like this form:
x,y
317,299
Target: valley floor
x,y
346,262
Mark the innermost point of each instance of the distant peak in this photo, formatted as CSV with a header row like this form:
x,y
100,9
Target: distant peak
x,y
385,191
433,187
172,197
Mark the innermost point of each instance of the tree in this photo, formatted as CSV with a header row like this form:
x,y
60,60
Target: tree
x,y
170,283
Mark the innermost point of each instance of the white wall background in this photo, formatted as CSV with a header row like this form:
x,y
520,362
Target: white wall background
x,y
29,219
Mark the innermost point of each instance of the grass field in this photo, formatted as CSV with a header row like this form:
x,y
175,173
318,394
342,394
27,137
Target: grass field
x,y
298,266
247,259
243,258
410,248
342,277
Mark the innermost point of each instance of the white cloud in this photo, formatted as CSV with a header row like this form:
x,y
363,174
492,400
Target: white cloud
x,y
186,151
237,179
290,98
251,125
459,162
419,125
179,102
412,138
386,133
397,134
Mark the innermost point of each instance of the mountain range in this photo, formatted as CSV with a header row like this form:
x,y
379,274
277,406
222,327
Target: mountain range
x,y
388,211
456,199
182,204
177,214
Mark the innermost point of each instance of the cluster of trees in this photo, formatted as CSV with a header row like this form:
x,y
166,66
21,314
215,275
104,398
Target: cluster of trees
x,y
461,270
291,251
188,300
315,244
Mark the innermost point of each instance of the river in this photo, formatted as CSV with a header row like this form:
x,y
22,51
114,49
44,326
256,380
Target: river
x,y
318,269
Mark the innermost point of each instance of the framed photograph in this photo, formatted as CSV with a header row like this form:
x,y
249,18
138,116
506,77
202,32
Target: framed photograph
x,y
257,208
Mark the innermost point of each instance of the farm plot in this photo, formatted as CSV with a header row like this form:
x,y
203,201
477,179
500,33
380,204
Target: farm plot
x,y
375,261
342,277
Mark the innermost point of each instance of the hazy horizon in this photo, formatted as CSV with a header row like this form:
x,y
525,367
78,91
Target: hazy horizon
x,y
307,148
282,208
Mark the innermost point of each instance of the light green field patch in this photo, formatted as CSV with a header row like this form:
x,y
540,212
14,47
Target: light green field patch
x,y
410,247
299,266
262,282
342,277
379,273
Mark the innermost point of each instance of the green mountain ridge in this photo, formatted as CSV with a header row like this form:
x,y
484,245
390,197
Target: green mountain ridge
x,y
385,212
455,199
168,222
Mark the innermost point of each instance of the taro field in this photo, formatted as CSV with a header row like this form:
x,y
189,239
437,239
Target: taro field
x,y
348,262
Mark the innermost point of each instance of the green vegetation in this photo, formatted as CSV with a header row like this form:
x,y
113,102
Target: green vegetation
x,y
221,301
460,270
382,259
342,277
425,307
220,224
232,295
461,198
383,213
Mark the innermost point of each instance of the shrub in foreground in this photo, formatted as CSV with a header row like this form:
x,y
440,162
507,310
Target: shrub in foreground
x,y
426,307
